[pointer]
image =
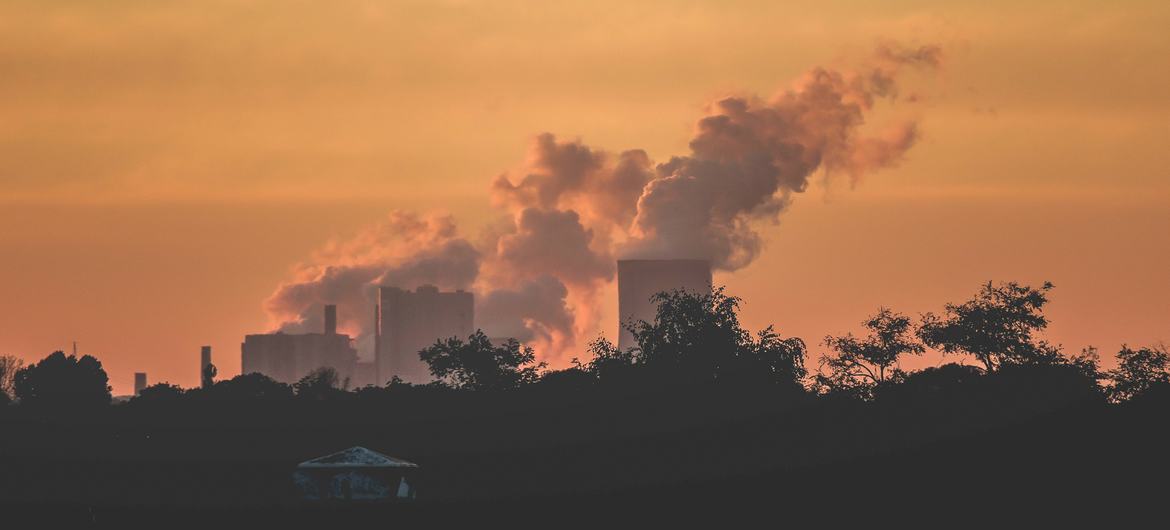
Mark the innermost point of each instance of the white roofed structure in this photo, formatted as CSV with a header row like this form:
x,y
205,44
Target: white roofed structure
x,y
356,474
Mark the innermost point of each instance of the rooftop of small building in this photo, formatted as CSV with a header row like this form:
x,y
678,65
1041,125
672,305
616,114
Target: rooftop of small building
x,y
356,457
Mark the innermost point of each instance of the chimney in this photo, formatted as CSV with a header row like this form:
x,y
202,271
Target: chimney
x,y
204,361
377,343
330,319
139,382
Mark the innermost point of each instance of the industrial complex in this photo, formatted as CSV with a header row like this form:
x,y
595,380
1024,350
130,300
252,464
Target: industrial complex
x,y
407,321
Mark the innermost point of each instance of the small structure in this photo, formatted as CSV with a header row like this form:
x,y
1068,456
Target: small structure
x,y
139,382
356,474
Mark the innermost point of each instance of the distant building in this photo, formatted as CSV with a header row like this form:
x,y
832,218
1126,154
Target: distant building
x,y
363,375
356,474
139,382
288,357
410,321
640,279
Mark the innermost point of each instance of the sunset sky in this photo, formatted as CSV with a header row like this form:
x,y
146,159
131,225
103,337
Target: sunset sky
x,y
165,165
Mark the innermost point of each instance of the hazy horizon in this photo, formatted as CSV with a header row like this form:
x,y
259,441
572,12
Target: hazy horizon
x,y
166,167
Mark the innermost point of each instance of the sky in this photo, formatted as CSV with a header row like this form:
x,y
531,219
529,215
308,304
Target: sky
x,y
165,166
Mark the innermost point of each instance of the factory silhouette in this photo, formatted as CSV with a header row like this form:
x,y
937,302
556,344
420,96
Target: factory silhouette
x,y
406,322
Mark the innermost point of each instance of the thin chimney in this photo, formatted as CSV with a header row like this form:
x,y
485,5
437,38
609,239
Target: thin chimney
x,y
377,344
204,361
330,319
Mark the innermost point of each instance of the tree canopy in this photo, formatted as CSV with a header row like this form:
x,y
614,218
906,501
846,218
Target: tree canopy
x,y
997,326
63,381
1138,371
697,336
477,364
862,364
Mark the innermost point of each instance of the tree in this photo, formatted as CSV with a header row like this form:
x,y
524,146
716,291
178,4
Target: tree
x,y
697,336
63,381
9,365
1138,371
161,393
479,365
996,326
208,376
319,384
608,363
250,387
860,365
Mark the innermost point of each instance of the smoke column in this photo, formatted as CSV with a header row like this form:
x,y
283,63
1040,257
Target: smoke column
x,y
572,210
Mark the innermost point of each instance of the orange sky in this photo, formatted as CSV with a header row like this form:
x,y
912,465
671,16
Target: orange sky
x,y
164,164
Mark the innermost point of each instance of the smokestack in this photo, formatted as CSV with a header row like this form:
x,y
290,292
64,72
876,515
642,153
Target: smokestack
x,y
377,344
330,319
204,362
139,382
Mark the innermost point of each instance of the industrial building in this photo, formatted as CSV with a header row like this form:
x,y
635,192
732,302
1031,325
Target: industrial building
x,y
640,279
139,382
407,322
288,357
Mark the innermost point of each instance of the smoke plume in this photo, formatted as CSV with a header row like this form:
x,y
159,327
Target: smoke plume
x,y
569,210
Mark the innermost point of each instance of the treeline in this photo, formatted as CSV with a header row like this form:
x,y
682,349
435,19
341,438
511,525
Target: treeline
x,y
695,339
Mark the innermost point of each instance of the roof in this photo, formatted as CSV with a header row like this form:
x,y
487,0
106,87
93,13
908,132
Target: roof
x,y
356,457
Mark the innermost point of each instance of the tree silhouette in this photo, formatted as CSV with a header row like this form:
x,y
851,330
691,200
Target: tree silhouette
x,y
479,365
250,387
697,336
9,365
63,381
1138,371
319,384
609,365
208,375
860,365
996,326
158,394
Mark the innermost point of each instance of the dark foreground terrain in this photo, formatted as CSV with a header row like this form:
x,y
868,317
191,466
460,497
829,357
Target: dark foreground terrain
x,y
995,449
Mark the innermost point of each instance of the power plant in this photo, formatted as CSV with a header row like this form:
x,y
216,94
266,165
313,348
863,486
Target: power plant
x,y
640,279
407,322
289,357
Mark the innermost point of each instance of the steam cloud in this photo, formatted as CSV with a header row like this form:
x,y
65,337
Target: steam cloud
x,y
573,209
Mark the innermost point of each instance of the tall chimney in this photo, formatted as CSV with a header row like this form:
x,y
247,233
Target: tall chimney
x,y
377,344
204,361
330,319
139,382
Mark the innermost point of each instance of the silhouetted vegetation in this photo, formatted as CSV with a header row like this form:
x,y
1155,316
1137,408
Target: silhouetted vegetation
x,y
479,365
158,395
60,381
1139,371
861,365
996,327
207,378
9,365
700,411
696,338
320,384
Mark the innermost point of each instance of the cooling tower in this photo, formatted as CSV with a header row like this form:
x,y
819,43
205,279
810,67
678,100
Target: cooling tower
x,y
640,279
